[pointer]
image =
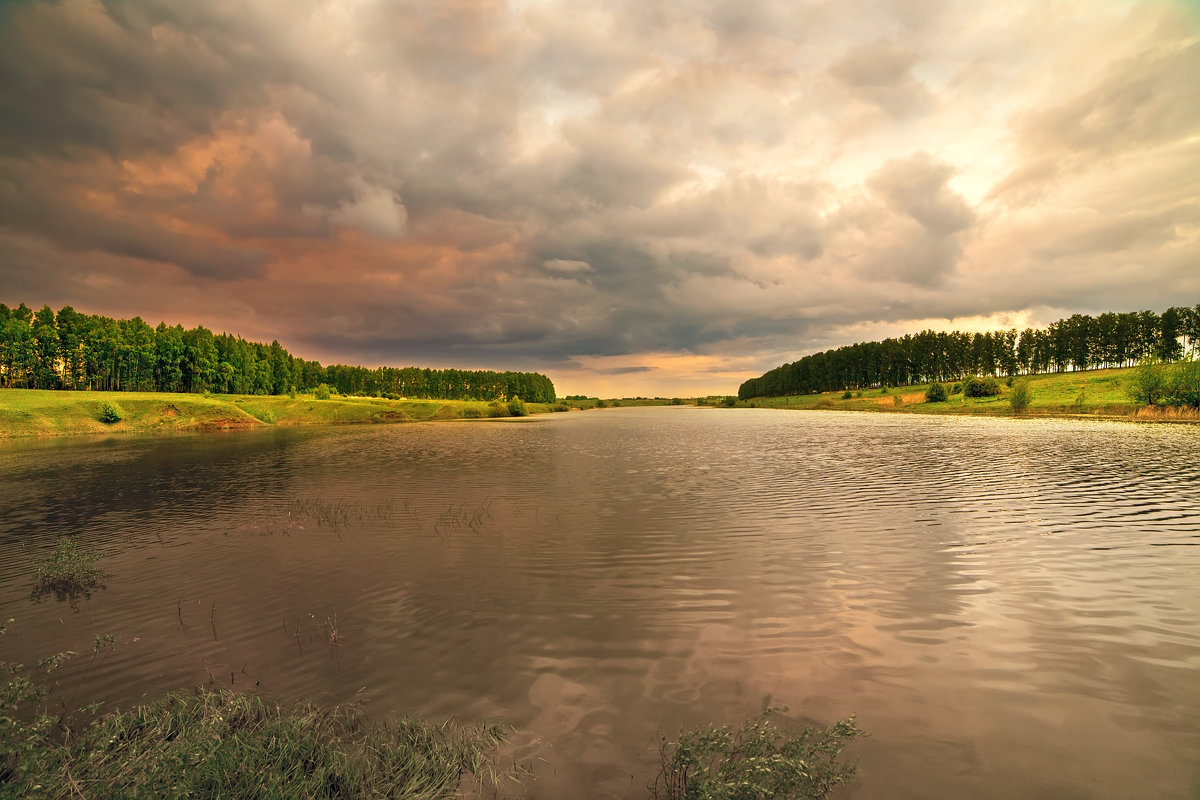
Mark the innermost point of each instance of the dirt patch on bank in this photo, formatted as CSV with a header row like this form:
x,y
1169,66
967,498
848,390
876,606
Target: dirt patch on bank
x,y
226,424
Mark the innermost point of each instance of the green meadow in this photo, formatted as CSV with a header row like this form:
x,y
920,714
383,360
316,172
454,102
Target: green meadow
x,y
36,412
1093,393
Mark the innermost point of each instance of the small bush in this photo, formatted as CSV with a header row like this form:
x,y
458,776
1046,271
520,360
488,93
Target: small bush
x,y
516,407
1148,384
676,401
981,387
757,761
936,393
472,413
730,401
883,390
1185,384
68,572
897,400
956,388
560,407
601,404
322,392
110,413
497,409
846,395
1020,396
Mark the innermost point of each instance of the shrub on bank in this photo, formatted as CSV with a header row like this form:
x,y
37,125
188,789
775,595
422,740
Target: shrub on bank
x,y
936,393
110,413
981,387
516,407
1020,396
1185,383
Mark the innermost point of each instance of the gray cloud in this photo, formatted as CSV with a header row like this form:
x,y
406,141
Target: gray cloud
x,y
881,73
487,184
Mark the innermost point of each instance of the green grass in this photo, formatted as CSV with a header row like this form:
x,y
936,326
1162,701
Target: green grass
x,y
208,744
1092,393
33,412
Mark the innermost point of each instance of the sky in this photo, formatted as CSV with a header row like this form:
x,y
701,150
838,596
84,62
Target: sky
x,y
631,197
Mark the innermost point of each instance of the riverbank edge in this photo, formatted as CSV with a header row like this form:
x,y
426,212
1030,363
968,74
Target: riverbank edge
x,y
42,413
1141,415
1086,394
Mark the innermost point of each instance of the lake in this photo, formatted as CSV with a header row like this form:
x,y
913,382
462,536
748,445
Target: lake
x,y
1010,607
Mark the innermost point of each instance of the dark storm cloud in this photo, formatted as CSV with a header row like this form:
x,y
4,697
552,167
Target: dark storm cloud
x,y
624,189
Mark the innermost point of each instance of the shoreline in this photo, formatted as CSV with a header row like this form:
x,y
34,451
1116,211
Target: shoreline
x,y
1101,394
50,413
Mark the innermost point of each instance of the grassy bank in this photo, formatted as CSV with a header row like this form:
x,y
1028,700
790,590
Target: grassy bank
x,y
33,412
209,744
1094,394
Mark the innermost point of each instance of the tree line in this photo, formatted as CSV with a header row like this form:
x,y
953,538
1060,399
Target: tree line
x,y
1079,342
69,350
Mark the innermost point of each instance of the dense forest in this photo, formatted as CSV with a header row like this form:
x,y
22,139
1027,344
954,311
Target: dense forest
x,y
69,350
1080,342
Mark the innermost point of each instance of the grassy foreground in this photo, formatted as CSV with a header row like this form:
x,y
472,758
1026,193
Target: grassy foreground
x,y
207,744
1094,393
35,412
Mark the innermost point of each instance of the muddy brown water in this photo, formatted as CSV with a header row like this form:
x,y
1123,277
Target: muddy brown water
x,y
1011,608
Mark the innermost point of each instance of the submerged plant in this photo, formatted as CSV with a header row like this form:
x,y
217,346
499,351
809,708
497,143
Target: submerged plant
x,y
68,572
756,762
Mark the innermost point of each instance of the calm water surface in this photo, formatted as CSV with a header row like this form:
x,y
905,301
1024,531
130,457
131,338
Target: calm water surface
x,y
1012,608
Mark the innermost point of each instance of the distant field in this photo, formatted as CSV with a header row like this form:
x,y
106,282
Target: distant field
x,y
1092,393
33,412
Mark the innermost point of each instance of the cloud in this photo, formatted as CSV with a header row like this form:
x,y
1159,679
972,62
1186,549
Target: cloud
x,y
567,266
880,73
373,209
706,189
624,370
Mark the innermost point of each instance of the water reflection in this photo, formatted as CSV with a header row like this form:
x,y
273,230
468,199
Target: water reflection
x,y
1010,607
